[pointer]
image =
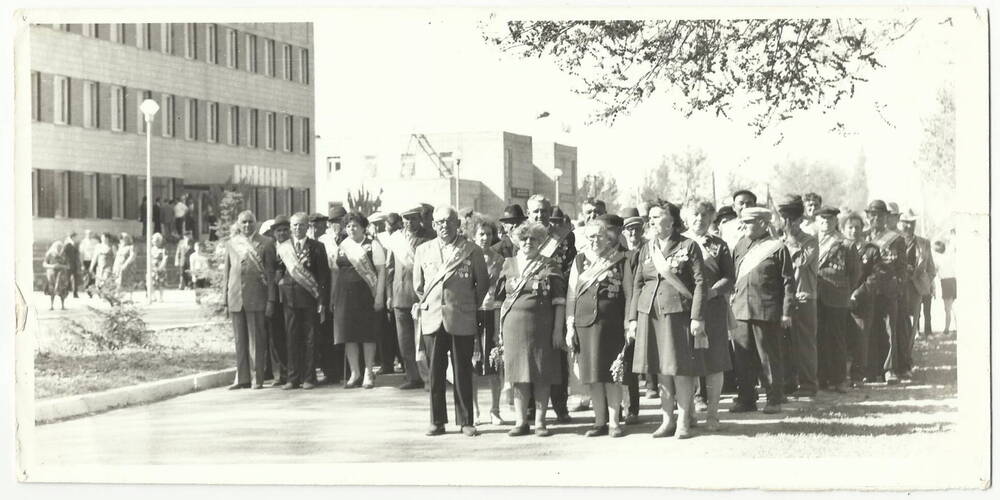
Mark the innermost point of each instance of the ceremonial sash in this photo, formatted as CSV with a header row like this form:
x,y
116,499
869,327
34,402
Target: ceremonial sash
x,y
448,269
826,249
592,274
299,273
247,252
663,268
359,259
329,242
756,255
551,245
526,274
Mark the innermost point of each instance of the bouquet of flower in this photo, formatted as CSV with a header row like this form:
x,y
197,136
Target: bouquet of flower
x,y
496,358
618,366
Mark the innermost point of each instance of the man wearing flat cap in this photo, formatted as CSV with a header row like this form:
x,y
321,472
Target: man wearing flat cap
x,y
918,288
838,275
632,231
800,339
304,288
890,275
277,340
330,356
402,246
762,304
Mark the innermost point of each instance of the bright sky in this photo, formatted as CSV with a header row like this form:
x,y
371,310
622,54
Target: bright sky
x,y
393,72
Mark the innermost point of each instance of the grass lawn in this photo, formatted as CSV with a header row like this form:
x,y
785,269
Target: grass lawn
x,y
175,353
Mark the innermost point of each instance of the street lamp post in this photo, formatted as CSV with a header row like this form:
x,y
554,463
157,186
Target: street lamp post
x,y
559,173
149,109
458,181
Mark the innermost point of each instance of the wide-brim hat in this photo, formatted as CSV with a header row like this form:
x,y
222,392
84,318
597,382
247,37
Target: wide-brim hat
x,y
557,215
893,208
317,217
265,226
793,207
513,214
909,216
377,217
612,220
828,212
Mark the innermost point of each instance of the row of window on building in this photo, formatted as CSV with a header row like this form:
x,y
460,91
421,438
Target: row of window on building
x,y
58,99
90,195
201,42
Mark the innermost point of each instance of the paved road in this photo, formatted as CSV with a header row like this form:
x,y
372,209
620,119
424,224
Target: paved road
x,y
332,424
178,308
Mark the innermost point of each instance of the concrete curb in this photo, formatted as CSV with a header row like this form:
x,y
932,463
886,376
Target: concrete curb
x,y
75,406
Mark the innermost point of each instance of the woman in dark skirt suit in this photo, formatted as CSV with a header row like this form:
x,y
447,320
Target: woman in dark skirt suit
x,y
485,235
595,321
719,275
665,316
358,285
533,291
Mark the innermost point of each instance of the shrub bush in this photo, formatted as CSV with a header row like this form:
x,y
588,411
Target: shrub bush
x,y
121,325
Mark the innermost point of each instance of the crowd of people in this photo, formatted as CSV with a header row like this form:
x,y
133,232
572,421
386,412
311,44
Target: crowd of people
x,y
696,301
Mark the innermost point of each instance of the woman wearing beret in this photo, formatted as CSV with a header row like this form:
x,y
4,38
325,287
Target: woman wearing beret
x,y
665,317
595,321
533,291
719,276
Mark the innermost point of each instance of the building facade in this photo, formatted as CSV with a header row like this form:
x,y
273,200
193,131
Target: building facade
x,y
236,111
485,171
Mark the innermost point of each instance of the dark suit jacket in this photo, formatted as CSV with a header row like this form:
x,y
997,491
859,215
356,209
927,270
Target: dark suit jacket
x,y
246,287
766,293
890,269
839,270
649,288
455,302
587,310
294,295
73,257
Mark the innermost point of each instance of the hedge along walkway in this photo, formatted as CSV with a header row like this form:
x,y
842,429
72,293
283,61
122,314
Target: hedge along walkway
x,y
176,352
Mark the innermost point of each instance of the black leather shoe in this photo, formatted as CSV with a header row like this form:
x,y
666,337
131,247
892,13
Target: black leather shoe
x,y
289,386
410,384
308,385
519,430
742,408
564,418
435,430
239,386
597,431
352,385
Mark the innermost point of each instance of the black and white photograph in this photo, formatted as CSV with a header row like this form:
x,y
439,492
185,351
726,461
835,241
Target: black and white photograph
x,y
711,248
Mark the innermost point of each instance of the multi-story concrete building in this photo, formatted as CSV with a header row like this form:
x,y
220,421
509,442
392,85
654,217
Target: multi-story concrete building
x,y
481,170
236,109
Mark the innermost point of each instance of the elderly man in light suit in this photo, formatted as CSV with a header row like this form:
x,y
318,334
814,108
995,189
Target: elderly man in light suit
x,y
249,297
451,280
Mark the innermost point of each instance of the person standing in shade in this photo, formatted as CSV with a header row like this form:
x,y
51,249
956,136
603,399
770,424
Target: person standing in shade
x,y
104,260
884,351
561,247
862,300
72,252
402,246
358,285
487,322
87,246
182,260
666,317
303,288
762,303
632,230
513,216
532,316
248,275
124,260
277,337
331,355
451,281
718,274
838,273
387,347
920,269
800,339
595,321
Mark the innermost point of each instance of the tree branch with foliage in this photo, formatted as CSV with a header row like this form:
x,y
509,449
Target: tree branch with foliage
x,y
773,68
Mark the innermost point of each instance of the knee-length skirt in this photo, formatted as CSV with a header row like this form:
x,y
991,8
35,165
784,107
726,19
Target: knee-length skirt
x,y
528,355
717,358
600,344
354,317
663,345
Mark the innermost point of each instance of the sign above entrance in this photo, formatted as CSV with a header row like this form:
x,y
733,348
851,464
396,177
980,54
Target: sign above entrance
x,y
260,176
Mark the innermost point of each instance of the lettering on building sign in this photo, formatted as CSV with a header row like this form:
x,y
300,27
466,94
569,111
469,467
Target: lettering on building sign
x,y
520,192
260,176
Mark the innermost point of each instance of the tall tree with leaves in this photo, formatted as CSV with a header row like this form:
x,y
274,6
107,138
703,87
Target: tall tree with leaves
x,y
678,178
775,68
936,162
603,187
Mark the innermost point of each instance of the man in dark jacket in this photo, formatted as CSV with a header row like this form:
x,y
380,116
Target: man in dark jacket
x,y
890,276
304,288
762,304
862,300
839,271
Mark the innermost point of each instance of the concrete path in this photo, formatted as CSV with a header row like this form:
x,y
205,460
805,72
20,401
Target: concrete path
x,y
332,424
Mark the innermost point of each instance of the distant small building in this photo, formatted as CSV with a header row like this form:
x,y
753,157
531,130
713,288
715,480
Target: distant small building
x,y
484,171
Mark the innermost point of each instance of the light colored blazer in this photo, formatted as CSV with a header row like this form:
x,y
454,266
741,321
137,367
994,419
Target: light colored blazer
x,y
247,288
452,304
